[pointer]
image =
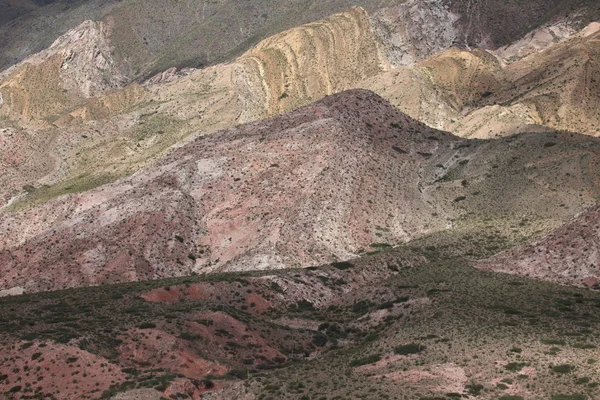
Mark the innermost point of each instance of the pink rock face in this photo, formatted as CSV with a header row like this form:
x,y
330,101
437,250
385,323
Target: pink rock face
x,y
304,188
63,369
569,255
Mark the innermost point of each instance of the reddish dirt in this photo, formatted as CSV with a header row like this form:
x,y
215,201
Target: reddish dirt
x,y
158,349
66,371
254,302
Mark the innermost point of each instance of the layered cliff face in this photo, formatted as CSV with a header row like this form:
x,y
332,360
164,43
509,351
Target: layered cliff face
x,y
304,64
562,84
479,94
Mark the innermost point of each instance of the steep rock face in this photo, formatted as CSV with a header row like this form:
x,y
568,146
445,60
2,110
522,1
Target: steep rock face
x,y
496,23
570,255
415,30
77,66
539,39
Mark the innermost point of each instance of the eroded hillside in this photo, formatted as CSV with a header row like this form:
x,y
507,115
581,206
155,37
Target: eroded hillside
x,y
410,323
95,130
323,183
151,36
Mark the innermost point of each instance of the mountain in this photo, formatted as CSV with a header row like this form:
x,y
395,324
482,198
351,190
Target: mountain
x,y
323,183
151,36
87,127
376,199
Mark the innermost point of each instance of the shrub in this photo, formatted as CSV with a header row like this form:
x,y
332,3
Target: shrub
x,y
557,342
364,361
582,381
319,340
563,368
190,336
514,366
510,397
147,325
208,383
380,245
411,348
343,265
583,346
576,396
516,350
474,389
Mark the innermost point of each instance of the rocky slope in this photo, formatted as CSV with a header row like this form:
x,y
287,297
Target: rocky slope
x,y
569,255
326,182
410,323
96,134
74,68
151,36
304,172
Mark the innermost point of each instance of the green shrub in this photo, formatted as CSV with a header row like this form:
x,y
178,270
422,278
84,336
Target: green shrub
x,y
557,342
380,245
583,346
516,350
364,361
514,366
582,381
343,265
474,389
569,397
563,368
411,348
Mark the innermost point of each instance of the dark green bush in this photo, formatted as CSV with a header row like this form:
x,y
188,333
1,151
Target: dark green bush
x,y
576,396
364,361
411,348
514,366
563,368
